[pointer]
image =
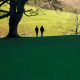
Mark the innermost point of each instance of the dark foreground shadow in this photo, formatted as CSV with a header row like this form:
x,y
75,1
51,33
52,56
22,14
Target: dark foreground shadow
x,y
47,58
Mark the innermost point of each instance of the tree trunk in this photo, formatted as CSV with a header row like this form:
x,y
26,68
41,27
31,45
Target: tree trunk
x,y
16,13
12,26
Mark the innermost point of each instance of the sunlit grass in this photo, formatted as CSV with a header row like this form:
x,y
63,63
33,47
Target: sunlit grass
x,y
55,23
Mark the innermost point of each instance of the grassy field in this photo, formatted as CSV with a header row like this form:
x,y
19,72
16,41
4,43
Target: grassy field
x,y
55,23
49,58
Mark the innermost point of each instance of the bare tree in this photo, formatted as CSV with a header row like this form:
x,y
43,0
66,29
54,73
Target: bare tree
x,y
77,22
55,4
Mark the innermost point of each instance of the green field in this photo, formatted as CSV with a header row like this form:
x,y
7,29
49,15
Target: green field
x,y
49,58
46,58
55,23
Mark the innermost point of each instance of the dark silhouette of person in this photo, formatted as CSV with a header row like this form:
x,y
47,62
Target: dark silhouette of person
x,y
36,30
42,31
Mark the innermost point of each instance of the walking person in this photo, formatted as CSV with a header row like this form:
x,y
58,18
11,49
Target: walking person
x,y
42,31
36,30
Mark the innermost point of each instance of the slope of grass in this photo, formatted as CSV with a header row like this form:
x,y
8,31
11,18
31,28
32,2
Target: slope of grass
x,y
54,22
49,58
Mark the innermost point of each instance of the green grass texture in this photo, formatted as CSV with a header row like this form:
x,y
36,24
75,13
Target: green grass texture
x,y
48,58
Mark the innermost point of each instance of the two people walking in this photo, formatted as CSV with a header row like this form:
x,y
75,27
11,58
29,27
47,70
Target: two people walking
x,y
41,30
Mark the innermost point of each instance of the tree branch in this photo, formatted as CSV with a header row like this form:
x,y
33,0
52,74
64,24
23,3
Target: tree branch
x,y
4,1
4,15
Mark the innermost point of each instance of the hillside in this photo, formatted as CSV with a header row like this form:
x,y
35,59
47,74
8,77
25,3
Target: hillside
x,y
71,5
55,23
74,3
50,58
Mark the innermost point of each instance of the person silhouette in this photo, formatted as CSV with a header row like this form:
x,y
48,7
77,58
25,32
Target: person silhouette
x,y
36,30
42,30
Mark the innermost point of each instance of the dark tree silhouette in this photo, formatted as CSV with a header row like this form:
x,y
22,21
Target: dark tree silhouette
x,y
16,13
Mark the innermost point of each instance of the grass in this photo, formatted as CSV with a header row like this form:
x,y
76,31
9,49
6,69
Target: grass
x,y
49,58
55,23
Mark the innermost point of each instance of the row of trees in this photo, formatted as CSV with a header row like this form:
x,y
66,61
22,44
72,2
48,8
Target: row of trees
x,y
47,4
